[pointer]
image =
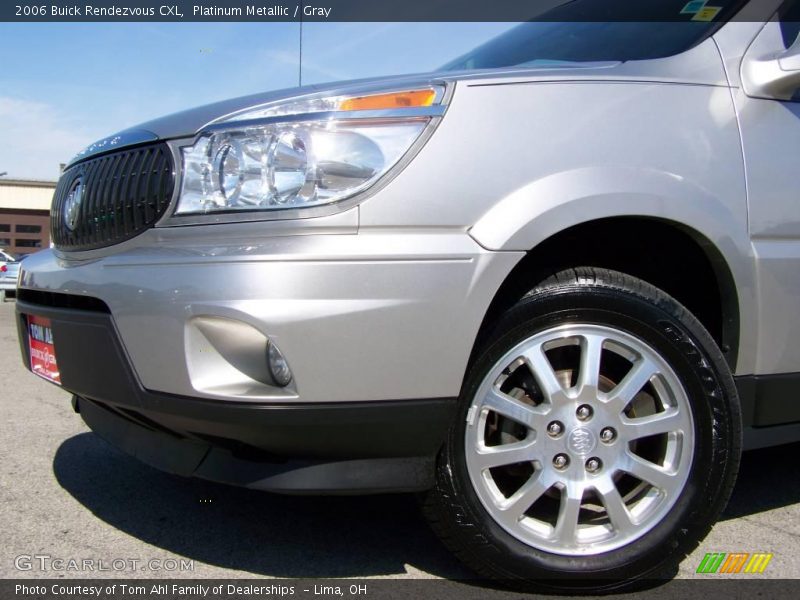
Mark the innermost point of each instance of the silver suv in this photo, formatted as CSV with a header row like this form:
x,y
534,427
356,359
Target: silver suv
x,y
552,287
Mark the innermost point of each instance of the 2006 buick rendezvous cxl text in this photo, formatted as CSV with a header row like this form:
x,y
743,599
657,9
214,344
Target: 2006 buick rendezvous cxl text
x,y
552,287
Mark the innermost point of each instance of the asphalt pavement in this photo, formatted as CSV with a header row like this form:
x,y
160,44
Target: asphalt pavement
x,y
65,494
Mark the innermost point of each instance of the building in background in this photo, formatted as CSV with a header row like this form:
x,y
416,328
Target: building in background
x,y
25,215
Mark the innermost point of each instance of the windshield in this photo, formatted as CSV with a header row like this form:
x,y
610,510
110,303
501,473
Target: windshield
x,y
592,31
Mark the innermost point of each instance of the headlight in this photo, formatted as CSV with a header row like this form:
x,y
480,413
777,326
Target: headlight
x,y
301,154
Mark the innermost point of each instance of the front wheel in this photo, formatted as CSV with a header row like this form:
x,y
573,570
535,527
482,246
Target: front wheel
x,y
598,439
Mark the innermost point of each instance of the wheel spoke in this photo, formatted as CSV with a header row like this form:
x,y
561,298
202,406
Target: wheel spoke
x,y
642,371
513,509
505,454
665,422
566,529
543,372
589,370
615,508
648,472
512,408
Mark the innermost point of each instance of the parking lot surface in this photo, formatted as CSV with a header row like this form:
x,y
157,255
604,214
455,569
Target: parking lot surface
x,y
66,494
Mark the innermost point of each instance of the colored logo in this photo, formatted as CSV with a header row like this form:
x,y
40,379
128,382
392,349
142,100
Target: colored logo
x,y
734,562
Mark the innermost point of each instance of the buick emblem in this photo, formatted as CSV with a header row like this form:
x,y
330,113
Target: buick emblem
x,y
72,206
581,441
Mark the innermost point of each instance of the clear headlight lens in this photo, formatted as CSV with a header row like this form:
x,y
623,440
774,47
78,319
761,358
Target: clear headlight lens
x,y
298,163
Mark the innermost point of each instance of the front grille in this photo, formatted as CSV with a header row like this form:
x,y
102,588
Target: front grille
x,y
112,198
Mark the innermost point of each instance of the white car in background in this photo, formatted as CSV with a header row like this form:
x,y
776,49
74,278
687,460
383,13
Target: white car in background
x,y
9,269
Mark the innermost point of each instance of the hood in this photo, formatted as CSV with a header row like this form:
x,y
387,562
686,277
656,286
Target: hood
x,y
701,65
189,122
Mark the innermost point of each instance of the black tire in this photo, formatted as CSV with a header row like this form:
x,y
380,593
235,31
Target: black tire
x,y
598,296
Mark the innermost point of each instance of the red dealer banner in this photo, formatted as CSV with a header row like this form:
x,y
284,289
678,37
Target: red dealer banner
x,y
42,350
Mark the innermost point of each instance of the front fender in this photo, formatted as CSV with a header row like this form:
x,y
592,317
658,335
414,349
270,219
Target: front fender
x,y
537,211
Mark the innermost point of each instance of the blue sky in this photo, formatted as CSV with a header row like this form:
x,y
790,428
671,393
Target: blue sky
x,y
64,85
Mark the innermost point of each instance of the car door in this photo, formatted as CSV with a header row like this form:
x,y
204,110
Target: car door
x,y
768,108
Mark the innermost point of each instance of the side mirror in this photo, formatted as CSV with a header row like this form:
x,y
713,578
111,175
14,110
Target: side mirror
x,y
771,75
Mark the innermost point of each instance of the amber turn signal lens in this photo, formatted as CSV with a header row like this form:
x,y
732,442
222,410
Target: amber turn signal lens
x,y
392,100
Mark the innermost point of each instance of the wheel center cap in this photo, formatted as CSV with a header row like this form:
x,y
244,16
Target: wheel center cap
x,y
581,441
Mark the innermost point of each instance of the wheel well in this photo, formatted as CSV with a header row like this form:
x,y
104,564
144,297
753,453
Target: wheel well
x,y
668,255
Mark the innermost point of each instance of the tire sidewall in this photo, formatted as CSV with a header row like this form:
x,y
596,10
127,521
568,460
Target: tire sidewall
x,y
679,339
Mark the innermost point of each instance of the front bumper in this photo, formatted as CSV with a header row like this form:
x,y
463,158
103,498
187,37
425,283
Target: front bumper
x,y
359,317
308,448
162,344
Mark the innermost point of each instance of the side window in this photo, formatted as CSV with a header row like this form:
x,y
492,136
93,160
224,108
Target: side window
x,y
790,22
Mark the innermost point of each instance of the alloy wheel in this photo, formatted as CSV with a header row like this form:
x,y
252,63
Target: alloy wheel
x,y
579,440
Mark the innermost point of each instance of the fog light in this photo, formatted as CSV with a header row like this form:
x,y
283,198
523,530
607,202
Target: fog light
x,y
278,367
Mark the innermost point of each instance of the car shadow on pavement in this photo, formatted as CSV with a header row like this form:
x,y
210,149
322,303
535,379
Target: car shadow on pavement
x,y
768,479
306,536
252,531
